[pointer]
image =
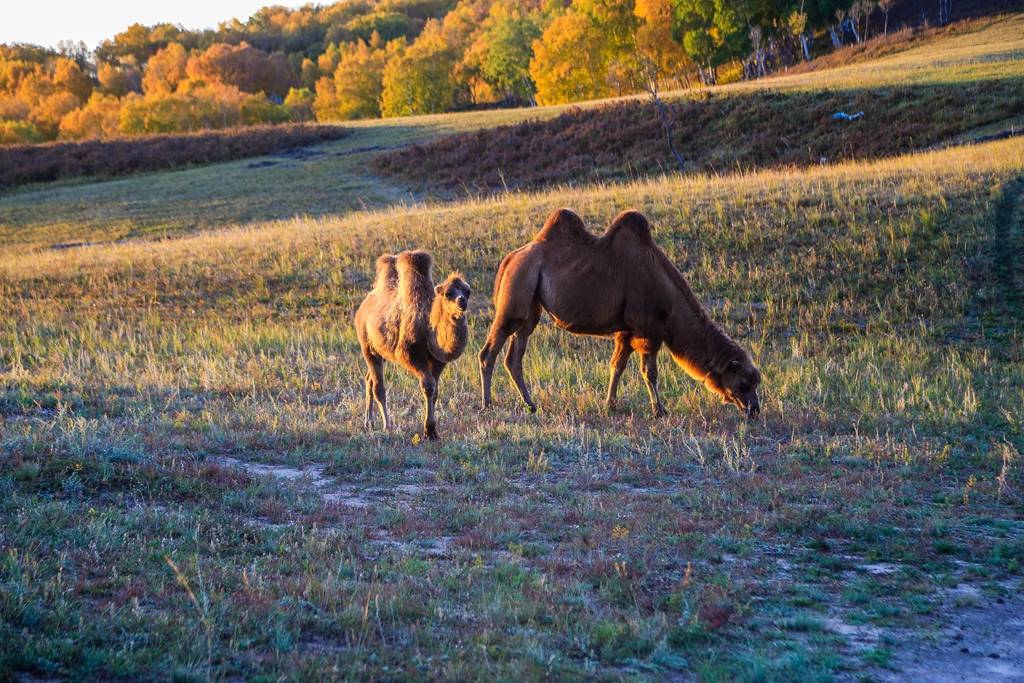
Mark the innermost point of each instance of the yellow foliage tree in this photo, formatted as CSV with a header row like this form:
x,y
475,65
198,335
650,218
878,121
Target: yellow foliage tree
x,y
661,55
165,70
99,118
49,111
357,84
68,76
568,64
420,79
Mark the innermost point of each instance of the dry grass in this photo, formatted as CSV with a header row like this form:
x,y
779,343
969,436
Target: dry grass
x,y
571,543
141,380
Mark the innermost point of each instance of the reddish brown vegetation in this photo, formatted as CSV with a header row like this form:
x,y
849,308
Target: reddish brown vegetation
x,y
619,285
20,164
714,132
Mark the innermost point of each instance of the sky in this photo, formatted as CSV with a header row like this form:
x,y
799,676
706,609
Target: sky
x,y
44,22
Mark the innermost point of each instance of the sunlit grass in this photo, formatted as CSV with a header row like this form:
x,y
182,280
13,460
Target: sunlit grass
x,y
881,301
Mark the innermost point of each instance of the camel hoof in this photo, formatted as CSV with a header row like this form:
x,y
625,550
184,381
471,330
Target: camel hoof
x,y
530,408
431,433
660,412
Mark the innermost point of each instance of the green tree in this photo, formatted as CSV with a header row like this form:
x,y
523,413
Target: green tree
x,y
507,45
299,103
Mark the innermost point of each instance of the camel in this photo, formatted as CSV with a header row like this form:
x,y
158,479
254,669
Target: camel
x,y
619,285
405,319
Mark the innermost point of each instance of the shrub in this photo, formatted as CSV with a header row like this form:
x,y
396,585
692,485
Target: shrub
x,y
13,132
26,163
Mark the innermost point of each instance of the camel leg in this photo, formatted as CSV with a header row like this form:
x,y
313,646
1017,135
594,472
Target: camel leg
x,y
620,358
428,385
516,351
368,421
515,299
649,369
375,387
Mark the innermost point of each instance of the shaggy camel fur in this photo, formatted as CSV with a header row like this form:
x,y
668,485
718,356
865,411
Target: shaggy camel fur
x,y
406,320
618,285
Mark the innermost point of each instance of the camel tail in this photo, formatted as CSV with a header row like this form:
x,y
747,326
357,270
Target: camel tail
x,y
499,276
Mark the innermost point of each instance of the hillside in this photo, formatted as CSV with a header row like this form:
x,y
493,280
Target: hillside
x,y
955,83
187,489
986,63
144,381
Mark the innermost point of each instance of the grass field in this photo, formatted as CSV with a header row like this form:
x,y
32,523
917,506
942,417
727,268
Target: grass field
x,y
187,491
570,542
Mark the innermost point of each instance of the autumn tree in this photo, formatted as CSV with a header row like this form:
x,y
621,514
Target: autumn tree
x,y
419,79
165,70
69,76
245,67
505,46
568,62
299,103
657,57
354,90
119,80
48,112
99,118
616,23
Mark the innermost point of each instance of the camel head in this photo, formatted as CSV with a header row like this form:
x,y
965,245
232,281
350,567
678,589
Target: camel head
x,y
453,295
738,384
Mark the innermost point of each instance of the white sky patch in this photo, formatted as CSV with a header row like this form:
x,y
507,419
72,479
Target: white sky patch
x,y
45,22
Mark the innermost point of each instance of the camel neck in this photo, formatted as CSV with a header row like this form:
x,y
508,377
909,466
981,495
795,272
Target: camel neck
x,y
696,342
449,334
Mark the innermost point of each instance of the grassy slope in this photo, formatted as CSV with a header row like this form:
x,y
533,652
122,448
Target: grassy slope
x,y
883,302
213,196
569,542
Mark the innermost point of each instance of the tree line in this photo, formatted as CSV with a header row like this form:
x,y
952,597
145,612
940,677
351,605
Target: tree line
x,y
369,58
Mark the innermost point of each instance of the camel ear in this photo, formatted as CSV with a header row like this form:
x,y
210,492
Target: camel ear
x,y
437,289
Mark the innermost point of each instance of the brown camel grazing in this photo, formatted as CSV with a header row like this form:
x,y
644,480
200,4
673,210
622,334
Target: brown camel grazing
x,y
618,285
406,320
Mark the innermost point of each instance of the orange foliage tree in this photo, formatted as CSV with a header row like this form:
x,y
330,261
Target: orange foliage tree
x,y
245,67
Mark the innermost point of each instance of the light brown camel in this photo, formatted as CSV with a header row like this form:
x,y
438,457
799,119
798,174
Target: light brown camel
x,y
406,320
619,285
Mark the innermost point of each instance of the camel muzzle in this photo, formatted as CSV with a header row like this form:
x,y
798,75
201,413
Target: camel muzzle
x,y
753,407
462,302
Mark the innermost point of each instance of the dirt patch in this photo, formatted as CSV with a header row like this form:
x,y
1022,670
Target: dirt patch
x,y
346,495
980,644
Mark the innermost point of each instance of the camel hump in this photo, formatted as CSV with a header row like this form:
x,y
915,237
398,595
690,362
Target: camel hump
x,y
414,265
633,222
387,275
563,224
